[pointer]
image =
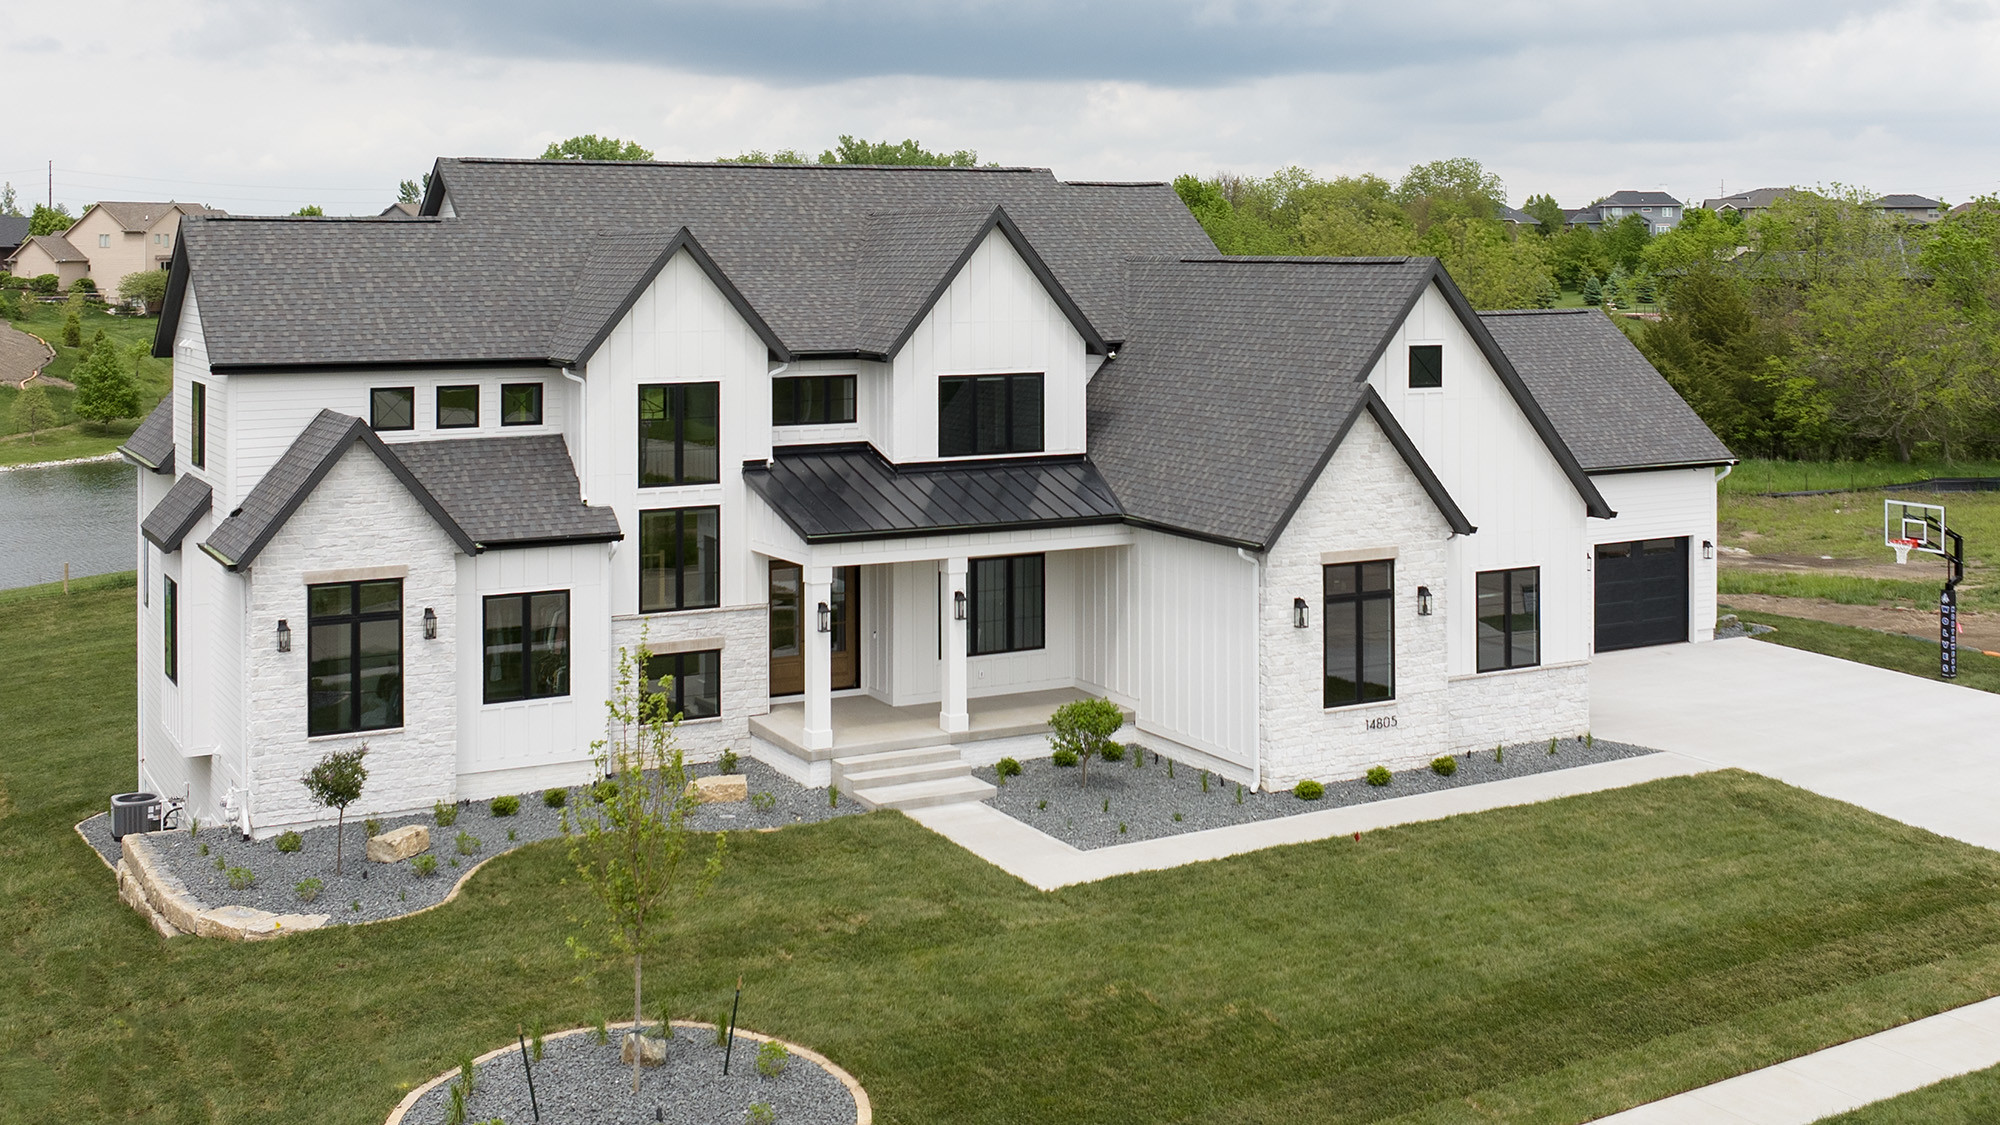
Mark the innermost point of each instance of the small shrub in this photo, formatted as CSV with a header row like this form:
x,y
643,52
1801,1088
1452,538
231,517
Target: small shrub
x,y
355,906
220,864
604,791
1007,767
1113,752
424,865
763,801
308,889
603,1033
1121,828
194,826
1064,758
1107,804
761,1113
535,1043
468,844
1177,818
454,861
45,283
1170,768
510,835
832,797
506,805
1378,775
241,878
722,1029
204,849
446,814
555,798
771,1058
83,285
1308,790
1588,739
727,762
1204,781
373,826
467,1075
1499,754
1552,745
1445,766
1138,755
1239,792
290,841
1043,803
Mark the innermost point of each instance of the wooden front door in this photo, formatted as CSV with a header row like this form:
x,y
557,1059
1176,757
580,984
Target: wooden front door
x,y
792,621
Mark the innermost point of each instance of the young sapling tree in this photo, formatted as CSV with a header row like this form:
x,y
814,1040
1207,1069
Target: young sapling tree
x,y
1084,727
335,783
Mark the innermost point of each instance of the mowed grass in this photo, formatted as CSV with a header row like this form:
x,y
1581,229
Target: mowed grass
x,y
1893,651
72,438
1969,1099
1549,963
1841,588
1756,474
1849,526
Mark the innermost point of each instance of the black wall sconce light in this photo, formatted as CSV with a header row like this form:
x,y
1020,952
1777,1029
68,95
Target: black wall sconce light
x,y
430,624
958,605
1301,616
1707,549
284,636
1423,601
825,618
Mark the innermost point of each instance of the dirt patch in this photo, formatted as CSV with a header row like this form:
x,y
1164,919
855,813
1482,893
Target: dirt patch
x,y
1976,630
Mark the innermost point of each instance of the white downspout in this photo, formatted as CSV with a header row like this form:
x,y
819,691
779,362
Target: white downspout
x,y
582,434
1256,606
1724,474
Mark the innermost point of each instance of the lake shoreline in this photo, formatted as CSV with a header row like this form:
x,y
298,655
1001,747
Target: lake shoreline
x,y
113,456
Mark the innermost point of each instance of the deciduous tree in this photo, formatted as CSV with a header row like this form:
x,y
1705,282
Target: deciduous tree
x,y
33,412
590,146
335,783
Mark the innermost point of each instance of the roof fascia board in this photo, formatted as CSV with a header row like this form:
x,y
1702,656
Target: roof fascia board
x,y
1593,502
170,306
956,529
1372,403
137,460
548,541
433,191
684,239
378,366
1706,463
1093,340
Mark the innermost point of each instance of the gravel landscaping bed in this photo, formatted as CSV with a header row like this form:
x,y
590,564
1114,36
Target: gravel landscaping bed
x,y
367,892
1145,803
581,1082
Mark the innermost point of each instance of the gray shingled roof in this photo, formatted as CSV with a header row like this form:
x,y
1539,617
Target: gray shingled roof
x,y
141,216
853,492
55,246
152,444
1630,198
13,230
1907,202
534,254
509,491
1239,379
1611,407
176,513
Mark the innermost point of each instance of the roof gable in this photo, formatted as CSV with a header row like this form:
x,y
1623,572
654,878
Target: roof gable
x,y
618,271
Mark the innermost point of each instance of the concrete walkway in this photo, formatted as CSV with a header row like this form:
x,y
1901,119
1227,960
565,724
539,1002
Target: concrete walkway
x,y
1045,862
1920,751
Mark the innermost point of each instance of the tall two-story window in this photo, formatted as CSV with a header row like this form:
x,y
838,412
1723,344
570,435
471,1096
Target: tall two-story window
x,y
693,682
1009,603
392,408
1510,618
989,414
679,559
170,627
197,425
679,434
812,400
457,408
1360,627
520,404
527,646
354,657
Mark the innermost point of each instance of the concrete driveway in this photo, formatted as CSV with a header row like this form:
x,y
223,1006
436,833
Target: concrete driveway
x,y
1923,752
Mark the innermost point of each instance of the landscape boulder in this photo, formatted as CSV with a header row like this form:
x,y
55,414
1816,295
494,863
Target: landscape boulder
x,y
720,789
399,844
652,1052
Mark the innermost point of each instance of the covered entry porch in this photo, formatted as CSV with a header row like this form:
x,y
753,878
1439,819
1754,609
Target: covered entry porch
x,y
863,724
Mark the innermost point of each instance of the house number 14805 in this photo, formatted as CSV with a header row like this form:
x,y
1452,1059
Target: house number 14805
x,y
1384,722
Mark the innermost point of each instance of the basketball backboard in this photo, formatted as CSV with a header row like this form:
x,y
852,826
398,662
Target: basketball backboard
x,y
1910,527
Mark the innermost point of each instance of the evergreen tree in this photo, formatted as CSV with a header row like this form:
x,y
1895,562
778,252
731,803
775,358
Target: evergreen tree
x,y
105,389
1593,293
72,332
33,412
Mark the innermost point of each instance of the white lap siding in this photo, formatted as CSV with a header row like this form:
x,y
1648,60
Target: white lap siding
x,y
1667,503
1367,504
359,517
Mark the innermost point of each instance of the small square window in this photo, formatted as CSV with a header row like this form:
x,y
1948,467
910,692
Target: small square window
x,y
104,240
520,404
392,408
458,407
1426,365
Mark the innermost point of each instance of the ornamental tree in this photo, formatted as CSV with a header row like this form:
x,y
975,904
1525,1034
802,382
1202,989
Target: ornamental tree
x,y
1084,727
335,783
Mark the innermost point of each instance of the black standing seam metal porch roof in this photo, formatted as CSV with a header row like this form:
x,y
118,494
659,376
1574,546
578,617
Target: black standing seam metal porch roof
x,y
845,492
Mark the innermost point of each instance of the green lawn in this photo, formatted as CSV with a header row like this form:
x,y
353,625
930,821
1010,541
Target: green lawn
x,y
1866,646
74,439
1757,474
1969,1099
1550,963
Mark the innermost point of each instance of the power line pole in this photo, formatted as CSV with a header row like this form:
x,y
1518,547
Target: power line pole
x,y
52,185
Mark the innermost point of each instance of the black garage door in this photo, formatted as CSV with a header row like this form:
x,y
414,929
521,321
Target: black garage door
x,y
1642,593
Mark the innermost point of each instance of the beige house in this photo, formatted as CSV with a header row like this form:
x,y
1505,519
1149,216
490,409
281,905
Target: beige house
x,y
110,241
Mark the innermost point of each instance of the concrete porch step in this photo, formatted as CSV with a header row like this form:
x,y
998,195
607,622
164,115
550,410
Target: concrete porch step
x,y
849,765
924,794
897,775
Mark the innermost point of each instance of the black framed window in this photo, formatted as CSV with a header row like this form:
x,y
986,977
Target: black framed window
x,y
170,626
1510,618
520,404
679,559
679,434
197,425
694,682
392,408
812,400
1009,604
354,656
1426,365
1360,632
527,646
987,414
458,407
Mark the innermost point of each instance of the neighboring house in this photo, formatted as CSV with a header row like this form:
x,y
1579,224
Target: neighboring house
x,y
1748,203
1515,217
110,241
400,211
874,459
1661,211
1912,208
48,253
13,232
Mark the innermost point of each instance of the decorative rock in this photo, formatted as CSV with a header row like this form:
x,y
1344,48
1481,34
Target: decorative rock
x,y
652,1052
243,923
399,844
720,789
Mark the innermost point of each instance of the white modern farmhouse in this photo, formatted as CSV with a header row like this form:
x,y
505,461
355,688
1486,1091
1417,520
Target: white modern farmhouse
x,y
878,460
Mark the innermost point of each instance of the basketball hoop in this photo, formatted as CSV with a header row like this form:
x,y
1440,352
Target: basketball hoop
x,y
1903,547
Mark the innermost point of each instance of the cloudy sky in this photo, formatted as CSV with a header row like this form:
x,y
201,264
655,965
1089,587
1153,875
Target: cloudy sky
x,y
266,105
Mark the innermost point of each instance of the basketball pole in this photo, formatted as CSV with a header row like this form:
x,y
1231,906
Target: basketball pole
x,y
1948,607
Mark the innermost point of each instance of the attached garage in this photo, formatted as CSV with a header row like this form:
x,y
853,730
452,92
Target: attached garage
x,y
1642,593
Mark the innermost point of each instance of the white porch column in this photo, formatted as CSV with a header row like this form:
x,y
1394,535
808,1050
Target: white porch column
x,y
953,715
818,591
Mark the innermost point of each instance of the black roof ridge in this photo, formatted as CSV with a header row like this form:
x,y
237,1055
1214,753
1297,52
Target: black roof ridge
x,y
1116,183
1291,260
385,220
1537,312
742,164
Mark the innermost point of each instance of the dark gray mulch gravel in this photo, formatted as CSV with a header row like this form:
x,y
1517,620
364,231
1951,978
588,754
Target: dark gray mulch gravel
x,y
1144,801
581,1082
366,892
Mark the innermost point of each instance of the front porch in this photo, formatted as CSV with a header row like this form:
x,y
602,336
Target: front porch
x,y
863,724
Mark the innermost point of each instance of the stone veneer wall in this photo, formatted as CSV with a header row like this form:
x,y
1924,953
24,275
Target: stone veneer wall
x,y
359,516
1523,705
743,635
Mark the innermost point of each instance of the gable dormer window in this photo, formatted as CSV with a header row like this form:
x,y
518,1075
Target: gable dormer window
x,y
983,415
1426,366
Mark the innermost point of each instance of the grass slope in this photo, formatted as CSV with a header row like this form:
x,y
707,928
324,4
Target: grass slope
x,y
1542,964
1867,646
73,439
1969,1099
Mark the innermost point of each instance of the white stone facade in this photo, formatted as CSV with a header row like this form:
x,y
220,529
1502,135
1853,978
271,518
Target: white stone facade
x,y
1519,705
743,635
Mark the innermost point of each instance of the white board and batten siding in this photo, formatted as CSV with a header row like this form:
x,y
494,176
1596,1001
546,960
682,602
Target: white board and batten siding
x,y
1191,616
1667,503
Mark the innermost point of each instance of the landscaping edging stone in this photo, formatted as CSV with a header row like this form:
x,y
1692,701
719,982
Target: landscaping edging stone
x,y
1144,800
549,1088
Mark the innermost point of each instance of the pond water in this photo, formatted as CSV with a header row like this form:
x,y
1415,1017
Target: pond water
x,y
82,515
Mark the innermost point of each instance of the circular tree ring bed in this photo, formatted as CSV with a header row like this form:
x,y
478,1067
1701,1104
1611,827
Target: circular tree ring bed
x,y
578,1075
